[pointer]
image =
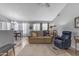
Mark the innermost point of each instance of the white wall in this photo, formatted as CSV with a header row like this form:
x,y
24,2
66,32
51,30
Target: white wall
x,y
65,20
30,11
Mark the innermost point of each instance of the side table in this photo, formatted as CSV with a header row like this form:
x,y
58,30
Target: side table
x,y
76,38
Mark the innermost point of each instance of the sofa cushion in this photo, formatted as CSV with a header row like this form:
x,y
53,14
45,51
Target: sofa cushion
x,y
34,34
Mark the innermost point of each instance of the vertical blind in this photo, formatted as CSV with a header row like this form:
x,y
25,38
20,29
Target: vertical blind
x,y
24,27
36,27
44,26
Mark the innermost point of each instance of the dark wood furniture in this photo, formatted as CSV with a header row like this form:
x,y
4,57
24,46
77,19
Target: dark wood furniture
x,y
76,38
17,35
6,48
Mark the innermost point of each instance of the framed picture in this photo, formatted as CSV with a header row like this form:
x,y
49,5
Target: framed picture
x,y
76,20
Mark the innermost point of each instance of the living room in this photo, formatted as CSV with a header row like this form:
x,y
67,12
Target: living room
x,y
39,29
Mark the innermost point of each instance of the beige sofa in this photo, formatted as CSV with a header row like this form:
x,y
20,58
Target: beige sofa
x,y
38,38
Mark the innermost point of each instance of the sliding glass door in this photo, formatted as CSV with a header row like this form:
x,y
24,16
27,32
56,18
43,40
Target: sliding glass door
x,y
26,30
44,26
36,27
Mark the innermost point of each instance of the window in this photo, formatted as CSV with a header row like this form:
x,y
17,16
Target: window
x,y
16,27
36,27
44,26
20,26
4,25
25,28
8,26
0,25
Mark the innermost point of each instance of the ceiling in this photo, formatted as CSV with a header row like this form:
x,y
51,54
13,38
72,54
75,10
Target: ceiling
x,y
30,11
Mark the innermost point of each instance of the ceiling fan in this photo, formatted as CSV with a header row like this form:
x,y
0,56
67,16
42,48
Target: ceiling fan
x,y
44,4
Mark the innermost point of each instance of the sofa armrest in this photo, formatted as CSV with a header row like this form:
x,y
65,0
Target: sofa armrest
x,y
59,38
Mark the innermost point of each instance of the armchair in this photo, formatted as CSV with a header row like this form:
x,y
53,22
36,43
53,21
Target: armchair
x,y
63,42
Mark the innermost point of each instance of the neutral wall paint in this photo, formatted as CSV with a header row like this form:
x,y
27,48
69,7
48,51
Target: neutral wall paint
x,y
30,11
65,19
